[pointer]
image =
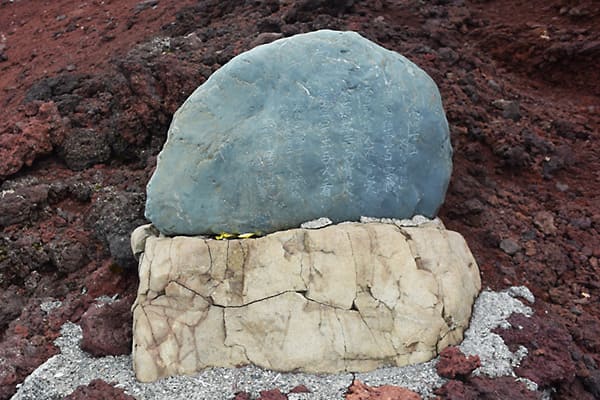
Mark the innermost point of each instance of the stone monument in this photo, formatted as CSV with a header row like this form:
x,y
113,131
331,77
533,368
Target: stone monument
x,y
324,124
319,124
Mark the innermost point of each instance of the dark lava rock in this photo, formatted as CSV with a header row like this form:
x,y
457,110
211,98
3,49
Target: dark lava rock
x,y
509,246
113,217
68,254
305,10
12,301
454,364
20,256
107,328
549,344
592,383
510,109
98,389
49,88
19,205
273,394
586,332
84,148
479,388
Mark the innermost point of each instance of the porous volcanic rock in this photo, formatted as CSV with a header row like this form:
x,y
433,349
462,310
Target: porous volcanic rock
x,y
483,388
360,391
97,389
347,297
102,328
324,123
454,364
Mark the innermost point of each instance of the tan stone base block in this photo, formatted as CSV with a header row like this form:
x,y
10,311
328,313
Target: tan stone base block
x,y
347,297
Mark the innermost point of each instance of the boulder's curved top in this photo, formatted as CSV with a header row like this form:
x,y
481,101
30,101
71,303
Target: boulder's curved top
x,y
319,124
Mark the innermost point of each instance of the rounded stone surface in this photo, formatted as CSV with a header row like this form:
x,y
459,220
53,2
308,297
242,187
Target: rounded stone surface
x,y
319,124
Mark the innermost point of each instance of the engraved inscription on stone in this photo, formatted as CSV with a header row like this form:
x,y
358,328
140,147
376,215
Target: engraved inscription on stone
x,y
319,124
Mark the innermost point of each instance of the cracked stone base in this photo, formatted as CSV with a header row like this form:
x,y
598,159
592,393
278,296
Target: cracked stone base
x,y
347,297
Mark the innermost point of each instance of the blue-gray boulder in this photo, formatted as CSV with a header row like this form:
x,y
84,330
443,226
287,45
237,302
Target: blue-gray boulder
x,y
323,124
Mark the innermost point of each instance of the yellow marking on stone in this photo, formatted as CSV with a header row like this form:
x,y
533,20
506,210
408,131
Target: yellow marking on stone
x,y
246,235
224,235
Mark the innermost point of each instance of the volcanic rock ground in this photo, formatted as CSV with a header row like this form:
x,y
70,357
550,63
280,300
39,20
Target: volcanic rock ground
x,y
87,90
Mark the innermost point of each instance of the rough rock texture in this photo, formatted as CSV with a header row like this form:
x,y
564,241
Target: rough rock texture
x,y
360,391
347,297
102,328
453,364
274,139
482,388
134,68
553,350
98,390
113,217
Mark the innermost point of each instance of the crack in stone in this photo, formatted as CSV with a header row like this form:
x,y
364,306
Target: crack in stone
x,y
355,269
154,340
302,274
227,260
318,302
300,292
232,346
413,251
372,251
370,293
151,259
187,288
404,233
302,261
367,325
343,338
209,257
170,258
244,262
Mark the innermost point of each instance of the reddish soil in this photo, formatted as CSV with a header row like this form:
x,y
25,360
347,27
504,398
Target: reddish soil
x,y
88,90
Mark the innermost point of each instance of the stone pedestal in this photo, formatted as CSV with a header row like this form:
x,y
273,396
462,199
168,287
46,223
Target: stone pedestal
x,y
347,297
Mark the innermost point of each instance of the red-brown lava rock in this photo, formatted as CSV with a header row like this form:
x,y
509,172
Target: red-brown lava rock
x,y
97,389
478,388
106,328
88,91
453,364
273,394
552,344
360,391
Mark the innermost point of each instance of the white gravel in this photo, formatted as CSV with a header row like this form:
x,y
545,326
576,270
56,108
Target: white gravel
x,y
61,374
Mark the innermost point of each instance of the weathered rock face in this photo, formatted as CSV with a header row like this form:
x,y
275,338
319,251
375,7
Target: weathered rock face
x,y
324,123
348,297
102,330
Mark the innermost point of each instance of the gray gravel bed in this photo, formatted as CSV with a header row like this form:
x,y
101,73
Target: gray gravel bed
x,y
61,374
